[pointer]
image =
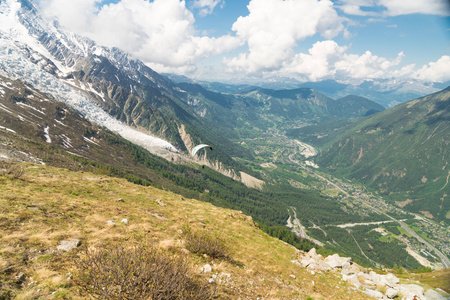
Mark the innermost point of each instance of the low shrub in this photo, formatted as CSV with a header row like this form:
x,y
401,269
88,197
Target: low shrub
x,y
202,242
113,271
13,170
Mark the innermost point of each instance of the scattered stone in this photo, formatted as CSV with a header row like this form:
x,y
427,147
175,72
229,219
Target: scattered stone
x,y
372,293
353,279
319,265
124,221
433,295
312,252
350,269
160,202
185,251
110,222
335,261
411,290
68,245
307,261
389,280
156,215
211,280
391,293
206,269
371,283
21,278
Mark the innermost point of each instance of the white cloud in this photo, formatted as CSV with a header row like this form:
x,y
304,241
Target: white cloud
x,y
405,7
273,28
77,15
353,7
207,6
160,33
395,7
328,60
438,71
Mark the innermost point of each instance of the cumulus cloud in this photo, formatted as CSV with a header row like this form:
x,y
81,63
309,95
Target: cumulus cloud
x,y
328,60
438,71
207,6
273,28
160,33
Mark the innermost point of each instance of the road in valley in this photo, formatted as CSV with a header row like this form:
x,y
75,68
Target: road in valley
x,y
444,259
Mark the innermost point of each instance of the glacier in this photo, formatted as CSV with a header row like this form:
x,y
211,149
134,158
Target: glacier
x,y
15,39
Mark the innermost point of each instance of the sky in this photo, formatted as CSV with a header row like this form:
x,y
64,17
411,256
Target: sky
x,y
262,40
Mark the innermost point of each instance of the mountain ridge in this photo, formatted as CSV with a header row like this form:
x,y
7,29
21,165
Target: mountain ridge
x,y
415,131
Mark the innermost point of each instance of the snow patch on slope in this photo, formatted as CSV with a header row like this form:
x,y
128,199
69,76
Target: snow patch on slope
x,y
13,64
11,27
7,129
47,135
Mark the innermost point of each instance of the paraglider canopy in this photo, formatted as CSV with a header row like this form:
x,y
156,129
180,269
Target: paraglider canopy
x,y
198,147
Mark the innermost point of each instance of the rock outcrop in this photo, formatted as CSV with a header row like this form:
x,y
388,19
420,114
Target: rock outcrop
x,y
375,285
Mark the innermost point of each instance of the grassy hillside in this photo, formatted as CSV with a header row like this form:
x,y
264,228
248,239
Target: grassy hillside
x,y
47,205
402,152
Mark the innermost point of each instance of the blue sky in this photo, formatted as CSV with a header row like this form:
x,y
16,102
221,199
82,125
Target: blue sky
x,y
309,40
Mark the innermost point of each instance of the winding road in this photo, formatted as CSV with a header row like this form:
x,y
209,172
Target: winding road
x,y
444,259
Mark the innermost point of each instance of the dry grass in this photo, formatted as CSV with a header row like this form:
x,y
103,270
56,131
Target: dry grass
x,y
436,279
47,205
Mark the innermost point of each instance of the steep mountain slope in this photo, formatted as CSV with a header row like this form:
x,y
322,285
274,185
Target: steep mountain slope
x,y
102,83
402,153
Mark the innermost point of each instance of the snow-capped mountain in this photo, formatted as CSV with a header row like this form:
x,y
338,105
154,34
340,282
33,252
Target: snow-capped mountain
x,y
75,70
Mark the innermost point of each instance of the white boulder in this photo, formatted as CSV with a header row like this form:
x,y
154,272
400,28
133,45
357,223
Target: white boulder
x,y
391,293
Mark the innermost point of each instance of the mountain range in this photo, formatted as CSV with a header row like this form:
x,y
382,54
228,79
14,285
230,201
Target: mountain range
x,y
387,93
68,102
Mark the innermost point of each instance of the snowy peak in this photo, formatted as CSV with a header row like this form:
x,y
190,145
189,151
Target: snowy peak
x,y
46,56
105,85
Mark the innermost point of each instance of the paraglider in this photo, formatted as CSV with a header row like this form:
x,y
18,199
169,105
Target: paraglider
x,y
198,147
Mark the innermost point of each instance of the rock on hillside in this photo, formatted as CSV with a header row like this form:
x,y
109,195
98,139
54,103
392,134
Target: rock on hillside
x,y
385,286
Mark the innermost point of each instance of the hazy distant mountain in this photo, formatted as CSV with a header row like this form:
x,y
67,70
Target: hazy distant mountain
x,y
262,109
386,92
402,152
